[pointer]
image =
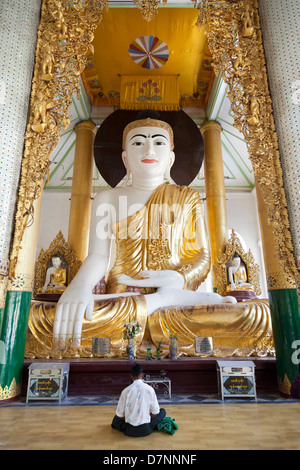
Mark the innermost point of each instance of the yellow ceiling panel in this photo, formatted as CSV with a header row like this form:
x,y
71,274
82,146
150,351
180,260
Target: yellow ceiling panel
x,y
170,44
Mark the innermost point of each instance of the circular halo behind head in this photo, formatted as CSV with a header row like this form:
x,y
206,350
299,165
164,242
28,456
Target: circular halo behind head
x,y
187,140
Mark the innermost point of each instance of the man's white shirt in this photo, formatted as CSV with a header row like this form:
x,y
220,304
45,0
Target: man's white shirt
x,y
136,403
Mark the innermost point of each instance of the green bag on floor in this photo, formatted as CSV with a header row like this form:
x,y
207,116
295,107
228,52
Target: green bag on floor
x,y
167,425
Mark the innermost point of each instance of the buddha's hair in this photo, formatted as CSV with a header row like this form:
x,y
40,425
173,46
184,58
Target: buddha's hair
x,y
148,122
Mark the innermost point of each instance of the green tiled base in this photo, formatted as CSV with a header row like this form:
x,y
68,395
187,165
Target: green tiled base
x,y
286,330
13,339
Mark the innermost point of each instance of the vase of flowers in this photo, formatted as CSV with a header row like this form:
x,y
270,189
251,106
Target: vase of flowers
x,y
173,346
131,349
131,329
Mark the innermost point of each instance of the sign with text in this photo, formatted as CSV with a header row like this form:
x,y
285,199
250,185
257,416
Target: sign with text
x,y
237,385
100,346
203,345
47,381
236,378
44,388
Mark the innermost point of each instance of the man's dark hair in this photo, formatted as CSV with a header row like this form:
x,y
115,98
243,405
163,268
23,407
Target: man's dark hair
x,y
136,370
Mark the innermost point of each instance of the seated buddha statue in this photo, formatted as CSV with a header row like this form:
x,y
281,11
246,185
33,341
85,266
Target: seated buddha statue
x,y
237,275
56,277
149,234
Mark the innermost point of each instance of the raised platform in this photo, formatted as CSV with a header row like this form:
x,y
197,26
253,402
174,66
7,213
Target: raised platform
x,y
188,375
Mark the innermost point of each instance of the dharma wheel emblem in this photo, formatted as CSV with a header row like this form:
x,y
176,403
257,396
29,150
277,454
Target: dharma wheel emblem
x,y
149,52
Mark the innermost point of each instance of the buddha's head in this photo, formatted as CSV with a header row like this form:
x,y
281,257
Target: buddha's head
x,y
236,261
148,148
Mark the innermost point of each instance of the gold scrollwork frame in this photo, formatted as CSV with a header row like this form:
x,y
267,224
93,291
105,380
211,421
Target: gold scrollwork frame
x,y
235,40
65,34
234,246
58,245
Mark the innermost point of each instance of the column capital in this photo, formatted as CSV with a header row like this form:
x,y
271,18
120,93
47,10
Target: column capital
x,y
207,125
87,125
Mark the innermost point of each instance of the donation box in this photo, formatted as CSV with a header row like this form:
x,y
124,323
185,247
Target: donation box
x,y
47,381
236,379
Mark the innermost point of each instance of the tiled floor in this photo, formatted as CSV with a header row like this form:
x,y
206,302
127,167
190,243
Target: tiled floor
x,y
175,400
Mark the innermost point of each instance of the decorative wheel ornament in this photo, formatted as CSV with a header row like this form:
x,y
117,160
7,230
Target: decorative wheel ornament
x,y
149,52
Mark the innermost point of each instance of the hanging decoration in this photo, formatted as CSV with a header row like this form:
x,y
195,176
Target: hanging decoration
x,y
148,8
149,52
145,92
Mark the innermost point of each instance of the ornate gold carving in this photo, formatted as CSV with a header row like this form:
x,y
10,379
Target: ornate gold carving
x,y
21,282
64,38
3,289
280,280
234,246
235,40
148,8
284,385
58,245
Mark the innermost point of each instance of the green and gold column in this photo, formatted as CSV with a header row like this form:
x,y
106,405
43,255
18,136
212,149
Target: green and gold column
x,y
16,65
16,311
214,190
284,305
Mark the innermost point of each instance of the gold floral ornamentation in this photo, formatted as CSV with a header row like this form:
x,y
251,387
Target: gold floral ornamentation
x,y
21,282
64,40
235,41
58,245
159,250
3,290
232,247
10,392
284,385
158,254
148,8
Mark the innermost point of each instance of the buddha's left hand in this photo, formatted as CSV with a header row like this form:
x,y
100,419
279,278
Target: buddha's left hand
x,y
166,277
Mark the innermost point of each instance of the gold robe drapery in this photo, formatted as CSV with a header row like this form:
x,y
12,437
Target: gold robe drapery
x,y
59,279
168,233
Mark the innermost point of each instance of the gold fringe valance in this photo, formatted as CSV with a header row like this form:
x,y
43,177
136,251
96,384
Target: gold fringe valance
x,y
155,92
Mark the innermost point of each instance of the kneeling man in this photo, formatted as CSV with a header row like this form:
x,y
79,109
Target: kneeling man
x,y
138,411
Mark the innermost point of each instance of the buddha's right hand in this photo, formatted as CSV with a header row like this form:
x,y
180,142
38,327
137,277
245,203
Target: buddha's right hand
x,y
75,303
150,278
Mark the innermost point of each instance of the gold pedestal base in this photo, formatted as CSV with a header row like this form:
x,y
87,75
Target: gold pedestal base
x,y
242,329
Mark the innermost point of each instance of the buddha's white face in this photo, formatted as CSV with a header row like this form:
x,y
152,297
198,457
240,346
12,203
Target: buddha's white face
x,y
236,262
56,262
148,151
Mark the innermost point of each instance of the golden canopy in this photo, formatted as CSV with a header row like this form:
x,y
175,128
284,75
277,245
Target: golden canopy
x,y
125,44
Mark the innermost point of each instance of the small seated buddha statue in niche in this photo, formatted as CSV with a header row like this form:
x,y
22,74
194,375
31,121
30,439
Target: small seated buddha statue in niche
x,y
56,277
237,275
238,280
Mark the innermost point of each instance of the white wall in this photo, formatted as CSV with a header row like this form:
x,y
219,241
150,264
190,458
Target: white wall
x,y
54,217
241,212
